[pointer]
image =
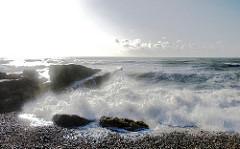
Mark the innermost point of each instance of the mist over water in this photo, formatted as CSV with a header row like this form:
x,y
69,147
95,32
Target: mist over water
x,y
174,92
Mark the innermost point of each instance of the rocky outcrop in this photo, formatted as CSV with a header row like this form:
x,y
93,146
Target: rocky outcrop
x,y
16,89
14,93
62,76
69,121
122,123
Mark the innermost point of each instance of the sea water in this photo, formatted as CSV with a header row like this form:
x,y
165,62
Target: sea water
x,y
163,92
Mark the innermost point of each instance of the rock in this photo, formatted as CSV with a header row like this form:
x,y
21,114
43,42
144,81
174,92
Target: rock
x,y
16,89
62,76
14,76
31,74
44,87
14,93
69,121
10,76
3,75
123,123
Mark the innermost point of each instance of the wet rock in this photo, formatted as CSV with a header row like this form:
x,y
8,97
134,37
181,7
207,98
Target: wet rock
x,y
69,121
14,93
16,89
31,74
3,75
14,76
62,76
9,76
123,123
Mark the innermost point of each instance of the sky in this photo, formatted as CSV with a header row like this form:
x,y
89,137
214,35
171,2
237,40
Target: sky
x,y
163,28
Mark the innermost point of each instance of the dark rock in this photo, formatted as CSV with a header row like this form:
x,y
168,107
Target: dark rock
x,y
31,74
62,76
44,87
10,76
123,123
16,89
69,121
3,75
14,76
14,93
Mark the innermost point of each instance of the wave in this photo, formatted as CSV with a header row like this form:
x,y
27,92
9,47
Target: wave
x,y
232,64
202,93
215,80
156,105
172,77
216,66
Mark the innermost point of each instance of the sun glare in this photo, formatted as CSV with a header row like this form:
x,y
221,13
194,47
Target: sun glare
x,y
51,28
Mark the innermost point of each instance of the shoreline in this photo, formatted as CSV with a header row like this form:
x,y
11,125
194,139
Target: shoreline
x,y
16,133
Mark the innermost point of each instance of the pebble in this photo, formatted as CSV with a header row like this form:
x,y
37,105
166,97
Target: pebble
x,y
15,133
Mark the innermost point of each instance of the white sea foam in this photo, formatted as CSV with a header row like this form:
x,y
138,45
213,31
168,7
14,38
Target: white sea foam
x,y
35,121
157,105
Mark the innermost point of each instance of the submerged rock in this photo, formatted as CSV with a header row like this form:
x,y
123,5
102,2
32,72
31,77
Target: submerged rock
x,y
123,123
62,76
69,121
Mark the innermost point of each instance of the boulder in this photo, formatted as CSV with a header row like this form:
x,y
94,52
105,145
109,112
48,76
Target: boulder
x,y
14,93
69,121
16,89
122,123
62,76
31,74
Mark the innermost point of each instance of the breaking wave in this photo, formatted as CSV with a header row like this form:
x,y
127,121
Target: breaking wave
x,y
199,93
159,106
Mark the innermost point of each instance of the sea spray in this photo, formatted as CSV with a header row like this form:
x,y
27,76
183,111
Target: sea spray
x,y
123,96
193,92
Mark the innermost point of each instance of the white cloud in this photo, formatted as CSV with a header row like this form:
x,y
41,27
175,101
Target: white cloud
x,y
140,46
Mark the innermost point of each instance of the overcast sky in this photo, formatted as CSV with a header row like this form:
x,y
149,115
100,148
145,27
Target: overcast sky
x,y
120,28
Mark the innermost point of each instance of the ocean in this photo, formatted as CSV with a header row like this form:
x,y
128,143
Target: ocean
x,y
201,93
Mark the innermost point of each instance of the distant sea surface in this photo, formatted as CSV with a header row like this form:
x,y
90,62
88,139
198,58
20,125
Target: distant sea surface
x,y
164,92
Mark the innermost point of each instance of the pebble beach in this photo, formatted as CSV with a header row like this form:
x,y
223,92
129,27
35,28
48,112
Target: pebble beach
x,y
17,133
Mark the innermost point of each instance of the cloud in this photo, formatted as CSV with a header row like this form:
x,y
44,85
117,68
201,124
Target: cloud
x,y
164,46
140,44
